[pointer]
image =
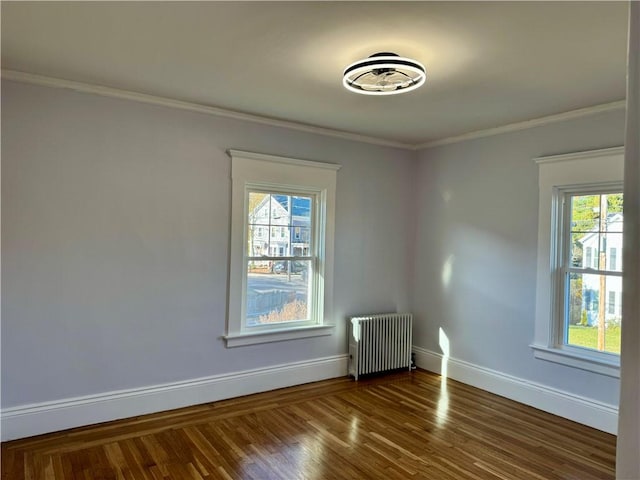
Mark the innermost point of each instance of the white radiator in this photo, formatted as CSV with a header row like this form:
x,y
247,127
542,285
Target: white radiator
x,y
380,342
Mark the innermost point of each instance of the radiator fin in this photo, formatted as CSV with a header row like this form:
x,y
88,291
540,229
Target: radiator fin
x,y
379,343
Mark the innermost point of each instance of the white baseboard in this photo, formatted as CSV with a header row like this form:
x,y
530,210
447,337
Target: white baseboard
x,y
574,407
34,419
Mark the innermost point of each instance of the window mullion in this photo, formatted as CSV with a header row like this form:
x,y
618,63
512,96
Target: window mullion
x,y
277,259
590,271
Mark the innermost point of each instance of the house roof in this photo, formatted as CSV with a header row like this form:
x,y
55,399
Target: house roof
x,y
301,208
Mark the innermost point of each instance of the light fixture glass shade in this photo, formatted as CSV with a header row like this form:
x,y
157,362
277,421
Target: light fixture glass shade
x,y
384,74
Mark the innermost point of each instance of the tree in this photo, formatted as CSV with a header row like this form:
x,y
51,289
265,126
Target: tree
x,y
254,200
615,203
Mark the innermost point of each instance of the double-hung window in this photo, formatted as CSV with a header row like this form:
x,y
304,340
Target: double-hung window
x,y
281,272
281,263
590,220
579,275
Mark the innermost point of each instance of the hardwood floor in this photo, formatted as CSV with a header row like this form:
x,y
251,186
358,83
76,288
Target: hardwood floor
x,y
399,426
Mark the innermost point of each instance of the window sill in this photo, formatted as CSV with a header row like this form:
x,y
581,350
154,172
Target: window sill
x,y
585,361
277,335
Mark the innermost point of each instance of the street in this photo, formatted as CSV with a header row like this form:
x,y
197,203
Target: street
x,y
268,292
261,282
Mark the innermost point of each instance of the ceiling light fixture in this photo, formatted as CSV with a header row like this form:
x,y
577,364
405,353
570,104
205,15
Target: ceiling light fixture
x,y
384,74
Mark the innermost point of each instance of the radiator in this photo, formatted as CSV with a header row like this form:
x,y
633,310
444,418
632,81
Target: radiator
x,y
380,342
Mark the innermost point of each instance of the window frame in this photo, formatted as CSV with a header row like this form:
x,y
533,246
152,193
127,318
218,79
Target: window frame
x,y
597,168
269,173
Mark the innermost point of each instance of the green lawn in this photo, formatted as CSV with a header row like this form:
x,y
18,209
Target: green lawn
x,y
588,337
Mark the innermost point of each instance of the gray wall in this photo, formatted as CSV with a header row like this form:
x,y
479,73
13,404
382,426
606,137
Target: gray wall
x,y
477,219
115,243
115,239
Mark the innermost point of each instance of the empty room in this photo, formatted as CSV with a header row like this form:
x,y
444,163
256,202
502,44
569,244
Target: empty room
x,y
320,240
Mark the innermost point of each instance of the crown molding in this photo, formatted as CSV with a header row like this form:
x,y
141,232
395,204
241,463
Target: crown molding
x,y
536,122
101,90
83,87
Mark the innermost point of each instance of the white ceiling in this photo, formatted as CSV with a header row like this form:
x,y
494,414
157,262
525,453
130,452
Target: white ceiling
x,y
488,63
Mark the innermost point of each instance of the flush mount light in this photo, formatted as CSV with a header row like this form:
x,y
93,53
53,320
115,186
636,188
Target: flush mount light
x,y
384,74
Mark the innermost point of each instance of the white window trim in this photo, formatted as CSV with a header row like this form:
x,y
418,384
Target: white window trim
x,y
595,167
251,169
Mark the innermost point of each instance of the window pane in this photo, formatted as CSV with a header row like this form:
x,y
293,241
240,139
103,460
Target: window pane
x,y
612,246
301,210
585,212
614,205
278,244
594,313
272,244
300,241
259,206
257,240
300,227
278,292
596,229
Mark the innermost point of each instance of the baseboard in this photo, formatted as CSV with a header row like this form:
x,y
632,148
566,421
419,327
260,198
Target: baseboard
x,y
35,419
583,410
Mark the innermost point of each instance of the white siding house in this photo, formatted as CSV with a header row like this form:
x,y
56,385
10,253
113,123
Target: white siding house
x,y
611,242
277,232
269,234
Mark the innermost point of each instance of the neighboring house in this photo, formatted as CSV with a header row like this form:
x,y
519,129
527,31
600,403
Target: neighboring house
x,y
277,232
612,245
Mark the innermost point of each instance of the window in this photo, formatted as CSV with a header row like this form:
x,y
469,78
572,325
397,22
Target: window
x,y
280,288
580,223
280,299
590,220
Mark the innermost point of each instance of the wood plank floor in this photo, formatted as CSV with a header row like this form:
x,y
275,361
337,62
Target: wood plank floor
x,y
399,426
